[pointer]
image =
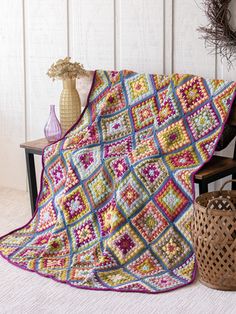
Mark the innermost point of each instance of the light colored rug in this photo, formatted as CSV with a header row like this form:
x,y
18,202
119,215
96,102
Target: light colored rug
x,y
25,292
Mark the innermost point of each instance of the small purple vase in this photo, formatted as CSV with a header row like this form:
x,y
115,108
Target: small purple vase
x,y
52,129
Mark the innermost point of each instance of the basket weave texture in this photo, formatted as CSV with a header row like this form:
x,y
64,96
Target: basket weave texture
x,y
214,238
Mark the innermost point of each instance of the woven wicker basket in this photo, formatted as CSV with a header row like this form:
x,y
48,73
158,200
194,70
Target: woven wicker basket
x,y
214,238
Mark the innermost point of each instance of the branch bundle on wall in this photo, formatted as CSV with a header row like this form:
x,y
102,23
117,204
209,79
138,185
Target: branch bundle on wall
x,y
219,33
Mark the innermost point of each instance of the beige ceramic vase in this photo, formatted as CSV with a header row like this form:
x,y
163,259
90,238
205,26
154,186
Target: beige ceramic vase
x,y
70,104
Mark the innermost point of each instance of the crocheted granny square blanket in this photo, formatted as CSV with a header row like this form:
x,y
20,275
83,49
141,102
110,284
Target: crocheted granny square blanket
x,y
116,197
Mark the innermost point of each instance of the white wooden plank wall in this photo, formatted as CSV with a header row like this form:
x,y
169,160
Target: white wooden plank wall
x,y
91,36
12,106
189,53
45,41
91,32
142,35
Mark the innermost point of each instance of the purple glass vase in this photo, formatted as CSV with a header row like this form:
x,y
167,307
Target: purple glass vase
x,y
52,129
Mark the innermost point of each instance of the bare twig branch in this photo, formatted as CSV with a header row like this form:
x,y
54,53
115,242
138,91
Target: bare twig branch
x,y
218,33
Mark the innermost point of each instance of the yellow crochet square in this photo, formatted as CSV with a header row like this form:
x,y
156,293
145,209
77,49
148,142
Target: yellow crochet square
x,y
116,277
173,137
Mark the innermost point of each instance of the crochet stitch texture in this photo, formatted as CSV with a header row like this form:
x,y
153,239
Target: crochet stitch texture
x,y
116,198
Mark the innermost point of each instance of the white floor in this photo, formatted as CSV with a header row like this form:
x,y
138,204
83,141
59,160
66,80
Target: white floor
x,y
25,292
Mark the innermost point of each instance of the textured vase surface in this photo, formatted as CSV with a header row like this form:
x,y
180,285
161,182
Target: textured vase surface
x,y
52,129
70,104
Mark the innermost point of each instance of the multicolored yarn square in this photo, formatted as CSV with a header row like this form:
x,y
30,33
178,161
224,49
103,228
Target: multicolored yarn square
x,y
119,148
84,233
72,179
145,265
168,111
152,173
116,127
109,218
164,282
125,244
86,161
223,100
138,87
56,173
115,205
172,248
144,113
144,134
47,217
46,192
161,81
116,277
150,222
173,137
185,158
183,223
75,205
130,194
117,167
85,137
57,245
99,188
114,101
144,148
202,121
207,145
171,199
192,93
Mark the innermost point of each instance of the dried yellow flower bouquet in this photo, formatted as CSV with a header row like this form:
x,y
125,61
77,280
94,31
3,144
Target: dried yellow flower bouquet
x,y
63,69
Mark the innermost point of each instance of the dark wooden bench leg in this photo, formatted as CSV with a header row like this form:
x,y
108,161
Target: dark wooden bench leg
x,y
234,183
31,179
203,187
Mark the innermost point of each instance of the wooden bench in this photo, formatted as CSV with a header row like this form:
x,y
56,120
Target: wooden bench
x,y
218,167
